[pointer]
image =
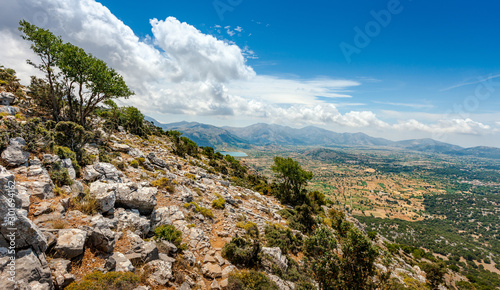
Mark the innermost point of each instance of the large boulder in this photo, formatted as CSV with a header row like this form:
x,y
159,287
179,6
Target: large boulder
x,y
273,257
67,163
119,263
211,270
15,227
129,219
160,216
132,196
108,172
70,243
102,171
14,155
28,267
105,194
101,238
160,272
157,162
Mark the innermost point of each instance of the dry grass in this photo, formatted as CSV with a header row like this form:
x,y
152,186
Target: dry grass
x,y
89,263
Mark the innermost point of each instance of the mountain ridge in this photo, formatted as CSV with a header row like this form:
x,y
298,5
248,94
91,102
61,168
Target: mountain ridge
x,y
262,134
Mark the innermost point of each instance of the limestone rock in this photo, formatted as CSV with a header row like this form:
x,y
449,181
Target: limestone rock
x,y
211,270
105,194
156,161
273,256
160,272
70,243
101,238
128,219
60,270
14,155
29,267
119,263
108,172
130,195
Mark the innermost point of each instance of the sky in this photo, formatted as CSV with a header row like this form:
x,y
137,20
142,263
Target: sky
x,y
394,69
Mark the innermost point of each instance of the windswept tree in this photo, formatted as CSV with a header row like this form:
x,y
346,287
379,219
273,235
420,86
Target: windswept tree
x,y
47,47
81,81
293,180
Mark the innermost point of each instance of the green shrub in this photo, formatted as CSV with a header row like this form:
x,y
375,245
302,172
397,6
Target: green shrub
x,y
109,281
203,210
164,183
168,233
219,203
283,238
241,251
65,153
134,163
60,176
71,135
250,280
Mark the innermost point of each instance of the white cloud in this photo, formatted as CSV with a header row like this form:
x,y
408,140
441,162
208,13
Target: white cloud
x,y
460,126
180,70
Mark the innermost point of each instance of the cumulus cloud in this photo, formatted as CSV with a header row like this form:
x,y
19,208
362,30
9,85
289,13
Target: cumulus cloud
x,y
460,126
180,70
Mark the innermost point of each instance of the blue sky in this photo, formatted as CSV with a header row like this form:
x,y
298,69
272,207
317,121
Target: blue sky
x,y
418,69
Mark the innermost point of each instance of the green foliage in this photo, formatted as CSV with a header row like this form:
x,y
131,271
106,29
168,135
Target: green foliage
x,y
357,260
60,176
241,251
293,180
64,153
303,220
130,118
352,270
38,137
250,280
71,135
8,79
434,273
277,236
163,183
168,233
219,203
316,200
203,210
84,81
134,163
109,281
321,259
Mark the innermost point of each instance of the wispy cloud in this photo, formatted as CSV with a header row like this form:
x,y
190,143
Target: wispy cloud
x,y
410,105
470,83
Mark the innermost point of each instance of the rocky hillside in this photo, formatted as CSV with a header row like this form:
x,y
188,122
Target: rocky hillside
x,y
120,204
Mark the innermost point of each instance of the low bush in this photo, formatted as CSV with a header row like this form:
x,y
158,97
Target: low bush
x,y
168,233
241,251
219,203
164,183
84,202
203,210
283,238
60,176
250,280
109,281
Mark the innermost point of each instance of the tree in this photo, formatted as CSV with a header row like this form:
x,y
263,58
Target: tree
x,y
321,259
47,46
434,273
83,82
357,260
291,189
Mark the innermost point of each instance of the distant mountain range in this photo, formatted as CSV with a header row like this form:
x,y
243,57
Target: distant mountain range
x,y
269,134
